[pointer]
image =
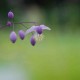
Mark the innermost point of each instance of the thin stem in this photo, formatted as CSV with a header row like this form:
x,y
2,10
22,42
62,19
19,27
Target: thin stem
x,y
13,24
19,23
24,25
25,22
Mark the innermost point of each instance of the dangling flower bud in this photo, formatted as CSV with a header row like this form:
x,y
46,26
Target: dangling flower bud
x,y
21,34
39,30
10,15
9,23
33,41
13,37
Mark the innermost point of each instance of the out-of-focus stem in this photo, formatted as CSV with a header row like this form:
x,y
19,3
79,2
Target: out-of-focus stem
x,y
24,26
25,22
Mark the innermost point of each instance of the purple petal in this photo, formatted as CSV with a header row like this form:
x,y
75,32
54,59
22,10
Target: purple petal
x,y
39,30
21,34
10,15
45,27
9,23
33,41
33,28
13,37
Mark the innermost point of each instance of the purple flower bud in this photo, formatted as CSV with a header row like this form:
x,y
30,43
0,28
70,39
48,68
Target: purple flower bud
x,y
9,23
21,34
13,37
10,15
33,41
39,30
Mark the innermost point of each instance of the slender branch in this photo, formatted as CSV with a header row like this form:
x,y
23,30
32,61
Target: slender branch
x,y
25,22
4,26
23,25
13,24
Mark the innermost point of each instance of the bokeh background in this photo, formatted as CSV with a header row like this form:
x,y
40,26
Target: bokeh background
x,y
57,56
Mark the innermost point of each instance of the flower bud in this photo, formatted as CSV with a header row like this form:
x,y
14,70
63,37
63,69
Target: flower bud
x,y
33,41
21,34
13,37
39,30
9,23
10,15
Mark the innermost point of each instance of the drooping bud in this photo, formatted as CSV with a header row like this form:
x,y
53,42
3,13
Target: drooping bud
x,y
13,37
33,41
21,34
39,30
10,15
9,23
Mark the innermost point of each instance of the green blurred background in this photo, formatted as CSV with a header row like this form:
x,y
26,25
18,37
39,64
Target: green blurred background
x,y
57,56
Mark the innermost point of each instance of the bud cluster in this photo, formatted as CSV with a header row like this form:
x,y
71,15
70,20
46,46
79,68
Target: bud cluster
x,y
13,36
37,30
